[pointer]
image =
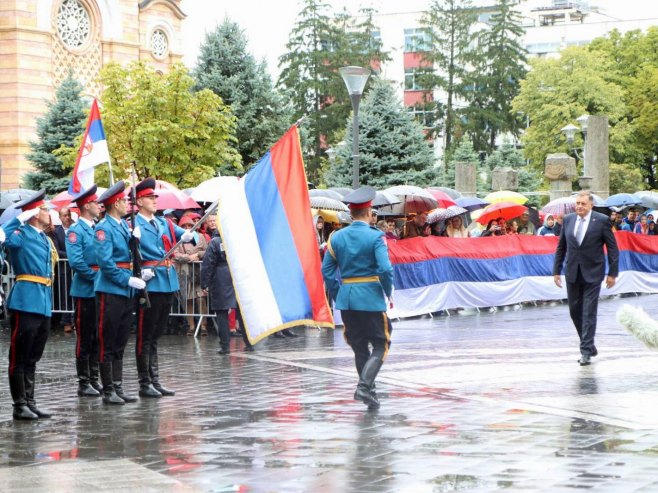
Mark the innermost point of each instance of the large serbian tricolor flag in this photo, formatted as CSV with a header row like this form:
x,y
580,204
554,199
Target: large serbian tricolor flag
x,y
433,274
93,151
267,232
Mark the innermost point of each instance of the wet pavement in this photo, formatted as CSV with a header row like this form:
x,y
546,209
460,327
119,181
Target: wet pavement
x,y
470,402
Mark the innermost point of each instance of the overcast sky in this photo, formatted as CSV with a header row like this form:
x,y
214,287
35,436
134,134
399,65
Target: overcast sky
x,y
268,23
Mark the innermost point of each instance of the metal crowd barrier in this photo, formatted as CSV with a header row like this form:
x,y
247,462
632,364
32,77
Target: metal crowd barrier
x,y
188,300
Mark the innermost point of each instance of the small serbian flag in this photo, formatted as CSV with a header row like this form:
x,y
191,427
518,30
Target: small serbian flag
x,y
268,234
93,151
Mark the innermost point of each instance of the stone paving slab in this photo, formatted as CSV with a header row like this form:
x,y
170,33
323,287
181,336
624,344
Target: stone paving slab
x,y
478,402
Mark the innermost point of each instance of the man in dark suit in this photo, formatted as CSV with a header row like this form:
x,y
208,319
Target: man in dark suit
x,y
582,239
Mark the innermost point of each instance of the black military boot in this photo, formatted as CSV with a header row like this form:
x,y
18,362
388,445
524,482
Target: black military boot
x,y
94,374
17,388
155,377
109,394
28,379
364,389
146,389
117,380
84,386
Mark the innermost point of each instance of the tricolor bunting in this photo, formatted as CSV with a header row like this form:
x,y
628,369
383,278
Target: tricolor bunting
x,y
433,274
93,151
267,232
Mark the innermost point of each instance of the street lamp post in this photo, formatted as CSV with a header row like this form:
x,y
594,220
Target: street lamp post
x,y
355,79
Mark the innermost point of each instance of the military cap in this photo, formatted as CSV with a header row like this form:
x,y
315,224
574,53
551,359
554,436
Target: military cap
x,y
145,188
114,193
86,196
36,200
360,198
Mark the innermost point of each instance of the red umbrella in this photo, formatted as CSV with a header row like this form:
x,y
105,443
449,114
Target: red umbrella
x,y
170,197
442,198
64,198
506,210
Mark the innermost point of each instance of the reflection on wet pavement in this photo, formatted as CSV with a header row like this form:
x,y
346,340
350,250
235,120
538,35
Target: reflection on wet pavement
x,y
486,402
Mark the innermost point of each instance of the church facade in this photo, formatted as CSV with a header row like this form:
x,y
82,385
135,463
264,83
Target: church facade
x,y
42,40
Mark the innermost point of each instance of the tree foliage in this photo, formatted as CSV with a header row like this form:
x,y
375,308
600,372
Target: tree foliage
x,y
319,44
226,68
169,131
557,91
448,24
60,126
499,66
393,149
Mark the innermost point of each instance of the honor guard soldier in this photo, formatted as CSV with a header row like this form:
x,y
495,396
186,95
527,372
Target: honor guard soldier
x,y
114,296
360,256
156,236
33,257
82,260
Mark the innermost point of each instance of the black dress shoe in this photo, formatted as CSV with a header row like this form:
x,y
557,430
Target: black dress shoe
x,y
288,333
594,353
249,349
584,360
278,335
224,351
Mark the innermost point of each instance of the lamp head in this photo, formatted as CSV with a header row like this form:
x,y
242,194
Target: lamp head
x,y
569,132
355,79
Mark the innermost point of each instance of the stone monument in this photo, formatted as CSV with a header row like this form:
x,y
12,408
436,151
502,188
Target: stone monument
x,y
560,171
597,156
504,178
466,179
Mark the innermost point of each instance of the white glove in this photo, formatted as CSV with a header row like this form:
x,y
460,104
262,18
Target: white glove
x,y
147,274
3,237
187,236
25,216
136,282
137,233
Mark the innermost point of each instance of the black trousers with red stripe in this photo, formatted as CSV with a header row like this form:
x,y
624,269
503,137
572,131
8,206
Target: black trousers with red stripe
x,y
29,333
85,326
363,328
115,315
151,322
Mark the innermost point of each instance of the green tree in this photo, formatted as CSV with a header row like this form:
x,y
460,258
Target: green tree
x,y
60,126
319,44
226,68
393,149
557,91
157,121
499,68
626,178
448,24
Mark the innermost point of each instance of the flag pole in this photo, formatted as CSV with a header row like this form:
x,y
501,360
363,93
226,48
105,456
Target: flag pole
x,y
109,165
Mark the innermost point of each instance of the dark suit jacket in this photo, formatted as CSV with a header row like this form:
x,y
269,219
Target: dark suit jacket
x,y
589,256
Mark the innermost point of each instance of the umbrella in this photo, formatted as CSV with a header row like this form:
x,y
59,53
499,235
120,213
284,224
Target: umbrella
x,y
561,206
385,198
18,194
344,217
506,196
416,199
170,197
5,201
341,190
327,203
330,194
9,213
622,200
64,198
443,199
506,210
453,194
648,199
210,190
441,214
471,203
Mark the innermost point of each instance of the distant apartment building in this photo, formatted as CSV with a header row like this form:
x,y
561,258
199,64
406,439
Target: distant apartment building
x,y
550,26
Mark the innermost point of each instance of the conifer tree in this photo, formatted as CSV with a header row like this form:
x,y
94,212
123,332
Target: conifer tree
x,y
226,68
61,125
393,149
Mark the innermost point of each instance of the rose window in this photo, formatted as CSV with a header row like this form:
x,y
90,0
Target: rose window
x,y
159,43
73,24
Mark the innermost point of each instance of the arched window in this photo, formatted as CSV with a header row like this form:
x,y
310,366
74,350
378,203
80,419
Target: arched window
x,y
159,43
73,24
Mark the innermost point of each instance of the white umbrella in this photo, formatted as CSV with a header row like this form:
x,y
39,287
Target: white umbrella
x,y
649,199
385,198
327,203
442,214
415,199
210,190
330,194
561,206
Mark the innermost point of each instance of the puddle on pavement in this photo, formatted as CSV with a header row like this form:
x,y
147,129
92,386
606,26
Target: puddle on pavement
x,y
456,482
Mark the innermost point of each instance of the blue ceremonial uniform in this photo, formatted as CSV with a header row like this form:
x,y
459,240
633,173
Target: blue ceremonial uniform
x,y
31,254
81,252
350,251
111,242
152,248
